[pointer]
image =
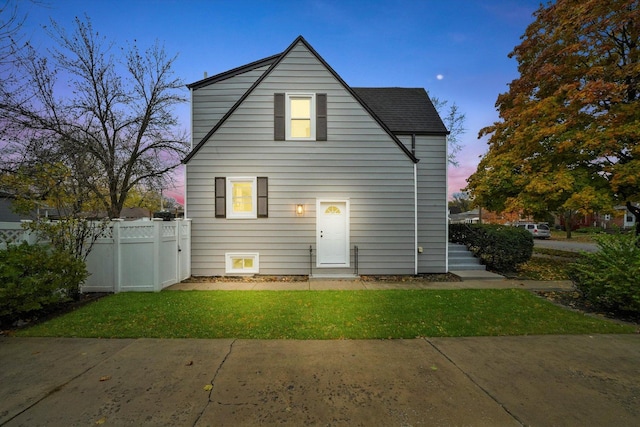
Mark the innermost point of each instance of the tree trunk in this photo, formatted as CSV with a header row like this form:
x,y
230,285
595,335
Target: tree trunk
x,y
636,212
568,223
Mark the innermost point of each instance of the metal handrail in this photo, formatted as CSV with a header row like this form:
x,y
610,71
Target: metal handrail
x,y
355,259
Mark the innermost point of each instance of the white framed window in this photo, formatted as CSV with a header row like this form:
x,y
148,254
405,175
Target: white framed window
x,y
242,263
241,198
300,116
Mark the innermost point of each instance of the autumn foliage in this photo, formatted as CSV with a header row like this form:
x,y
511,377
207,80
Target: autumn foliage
x,y
568,138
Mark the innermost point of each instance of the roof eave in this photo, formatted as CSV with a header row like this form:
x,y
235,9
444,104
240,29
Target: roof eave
x,y
423,133
234,72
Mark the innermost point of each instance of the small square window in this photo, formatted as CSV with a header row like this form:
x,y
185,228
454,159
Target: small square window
x,y
242,263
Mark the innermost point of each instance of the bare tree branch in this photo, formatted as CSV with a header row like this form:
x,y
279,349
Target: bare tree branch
x,y
112,124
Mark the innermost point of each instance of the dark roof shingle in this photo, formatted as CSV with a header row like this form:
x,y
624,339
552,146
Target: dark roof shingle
x,y
403,110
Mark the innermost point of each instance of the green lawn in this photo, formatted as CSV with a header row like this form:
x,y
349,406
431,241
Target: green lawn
x,y
321,315
575,236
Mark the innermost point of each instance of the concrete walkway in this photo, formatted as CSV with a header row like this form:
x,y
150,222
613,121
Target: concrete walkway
x,y
485,381
470,280
499,381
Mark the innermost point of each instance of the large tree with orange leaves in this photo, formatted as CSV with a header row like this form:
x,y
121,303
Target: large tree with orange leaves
x,y
568,139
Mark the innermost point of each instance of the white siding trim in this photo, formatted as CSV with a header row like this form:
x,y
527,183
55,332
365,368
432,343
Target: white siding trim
x,y
191,114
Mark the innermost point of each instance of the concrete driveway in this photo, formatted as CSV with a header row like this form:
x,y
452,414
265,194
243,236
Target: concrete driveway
x,y
499,381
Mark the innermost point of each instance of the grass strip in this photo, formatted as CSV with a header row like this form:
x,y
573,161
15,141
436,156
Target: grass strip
x,y
322,315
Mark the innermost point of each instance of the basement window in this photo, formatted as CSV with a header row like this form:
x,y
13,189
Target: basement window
x,y
242,263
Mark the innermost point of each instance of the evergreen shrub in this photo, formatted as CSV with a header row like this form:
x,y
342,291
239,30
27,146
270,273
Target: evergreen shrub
x,y
610,277
500,247
35,277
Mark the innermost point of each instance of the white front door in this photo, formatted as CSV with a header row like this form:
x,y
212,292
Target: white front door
x,y
332,233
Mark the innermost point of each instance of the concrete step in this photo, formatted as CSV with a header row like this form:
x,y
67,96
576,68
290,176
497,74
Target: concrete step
x,y
467,267
455,248
460,258
463,257
471,263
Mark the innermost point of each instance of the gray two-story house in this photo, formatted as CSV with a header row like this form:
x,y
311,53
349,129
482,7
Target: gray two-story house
x,y
294,172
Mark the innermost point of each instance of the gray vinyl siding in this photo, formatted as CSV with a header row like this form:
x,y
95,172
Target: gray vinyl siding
x,y
432,203
211,103
359,162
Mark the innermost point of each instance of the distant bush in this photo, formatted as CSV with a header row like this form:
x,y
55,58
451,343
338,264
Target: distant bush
x,y
33,278
500,247
610,277
590,230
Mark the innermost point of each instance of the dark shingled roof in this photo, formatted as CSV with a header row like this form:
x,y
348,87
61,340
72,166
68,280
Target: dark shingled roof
x,y
403,110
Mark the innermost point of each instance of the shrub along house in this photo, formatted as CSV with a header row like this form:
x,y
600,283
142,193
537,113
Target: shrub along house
x,y
293,172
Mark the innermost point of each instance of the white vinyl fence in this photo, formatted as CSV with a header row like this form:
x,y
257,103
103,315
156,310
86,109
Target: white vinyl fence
x,y
130,256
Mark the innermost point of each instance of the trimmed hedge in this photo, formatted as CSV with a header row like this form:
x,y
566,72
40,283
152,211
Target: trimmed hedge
x,y
34,278
610,277
500,247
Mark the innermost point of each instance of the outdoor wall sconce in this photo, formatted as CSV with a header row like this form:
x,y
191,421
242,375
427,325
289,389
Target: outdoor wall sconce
x,y
299,210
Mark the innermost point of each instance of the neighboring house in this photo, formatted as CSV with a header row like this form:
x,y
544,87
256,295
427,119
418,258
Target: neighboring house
x,y
623,218
132,214
469,217
8,214
294,172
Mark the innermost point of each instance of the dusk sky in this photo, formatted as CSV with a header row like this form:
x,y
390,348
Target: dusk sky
x,y
455,49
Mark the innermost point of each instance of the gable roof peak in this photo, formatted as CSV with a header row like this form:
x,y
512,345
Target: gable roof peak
x,y
276,59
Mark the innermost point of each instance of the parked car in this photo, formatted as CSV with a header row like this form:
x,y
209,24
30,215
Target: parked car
x,y
539,231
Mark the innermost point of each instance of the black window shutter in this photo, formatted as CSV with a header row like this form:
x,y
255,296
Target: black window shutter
x,y
263,197
278,117
321,117
221,201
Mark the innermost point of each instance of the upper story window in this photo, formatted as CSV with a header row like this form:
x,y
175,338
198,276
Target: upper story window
x,y
300,116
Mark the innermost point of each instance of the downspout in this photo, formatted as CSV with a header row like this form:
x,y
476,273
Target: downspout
x,y
413,144
415,206
446,204
415,217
